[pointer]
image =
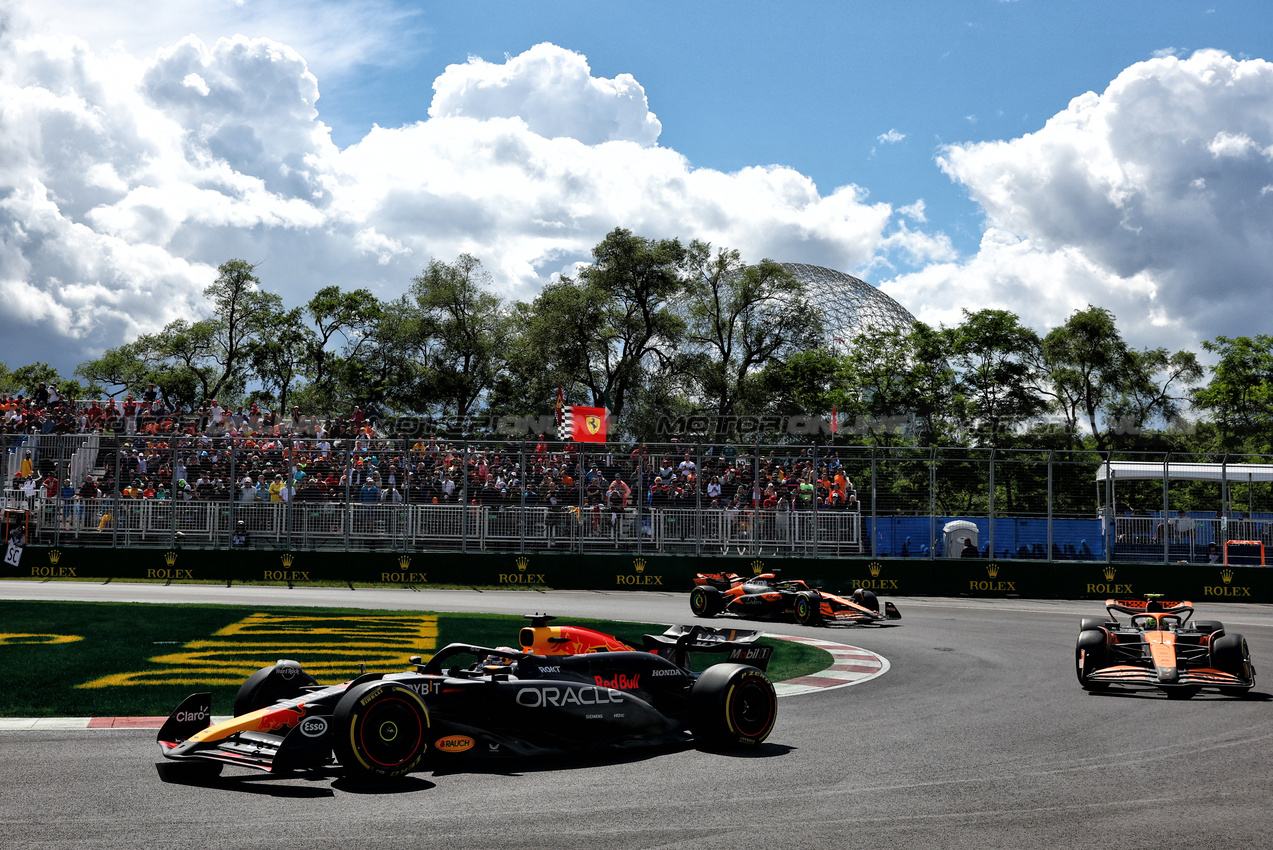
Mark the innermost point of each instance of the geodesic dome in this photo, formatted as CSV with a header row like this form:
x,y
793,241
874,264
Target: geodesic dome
x,y
849,305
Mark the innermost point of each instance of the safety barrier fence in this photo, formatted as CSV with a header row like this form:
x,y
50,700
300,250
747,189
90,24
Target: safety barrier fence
x,y
1200,583
702,499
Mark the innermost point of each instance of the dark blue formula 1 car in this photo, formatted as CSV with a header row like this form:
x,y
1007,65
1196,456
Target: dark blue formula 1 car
x,y
567,689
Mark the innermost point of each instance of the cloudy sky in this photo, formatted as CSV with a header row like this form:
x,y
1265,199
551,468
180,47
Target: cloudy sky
x,y
1027,155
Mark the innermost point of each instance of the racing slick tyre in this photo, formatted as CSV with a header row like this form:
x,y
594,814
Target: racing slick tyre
x,y
381,731
705,602
808,609
1095,623
268,685
732,705
1090,653
1229,654
867,599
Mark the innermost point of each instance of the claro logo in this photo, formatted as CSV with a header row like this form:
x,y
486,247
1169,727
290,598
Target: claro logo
x,y
560,697
193,716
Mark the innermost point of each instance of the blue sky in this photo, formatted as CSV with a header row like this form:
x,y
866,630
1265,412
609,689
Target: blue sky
x,y
813,85
1025,155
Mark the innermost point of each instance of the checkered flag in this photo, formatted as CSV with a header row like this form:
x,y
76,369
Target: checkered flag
x,y
566,424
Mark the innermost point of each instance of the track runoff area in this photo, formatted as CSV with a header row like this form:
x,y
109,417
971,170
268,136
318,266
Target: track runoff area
x,y
851,665
848,664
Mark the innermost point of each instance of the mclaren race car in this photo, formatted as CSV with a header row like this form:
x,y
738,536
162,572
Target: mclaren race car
x,y
567,689
1160,647
768,596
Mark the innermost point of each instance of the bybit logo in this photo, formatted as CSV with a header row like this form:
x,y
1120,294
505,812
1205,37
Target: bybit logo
x,y
522,563
404,561
55,555
1110,572
1226,576
875,567
286,560
757,567
170,557
992,570
638,564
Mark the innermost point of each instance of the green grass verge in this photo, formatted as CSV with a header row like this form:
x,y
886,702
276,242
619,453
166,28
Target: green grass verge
x,y
99,659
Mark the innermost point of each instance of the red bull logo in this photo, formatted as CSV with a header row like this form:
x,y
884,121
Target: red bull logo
x,y
621,682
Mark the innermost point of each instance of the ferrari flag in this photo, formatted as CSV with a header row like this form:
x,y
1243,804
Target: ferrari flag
x,y
583,424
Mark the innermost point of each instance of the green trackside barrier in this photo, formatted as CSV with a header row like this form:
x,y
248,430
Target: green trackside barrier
x,y
673,573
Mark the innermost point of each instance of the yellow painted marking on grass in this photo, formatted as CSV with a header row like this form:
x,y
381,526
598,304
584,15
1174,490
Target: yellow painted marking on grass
x,y
7,639
334,646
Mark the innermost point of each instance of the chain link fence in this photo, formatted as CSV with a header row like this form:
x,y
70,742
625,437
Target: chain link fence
x,y
700,498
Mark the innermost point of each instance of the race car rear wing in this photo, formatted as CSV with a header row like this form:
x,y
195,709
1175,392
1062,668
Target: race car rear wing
x,y
1148,606
678,642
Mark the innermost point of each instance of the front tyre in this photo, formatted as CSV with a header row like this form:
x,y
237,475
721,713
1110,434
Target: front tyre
x,y
732,705
808,609
1090,653
284,680
1230,654
381,731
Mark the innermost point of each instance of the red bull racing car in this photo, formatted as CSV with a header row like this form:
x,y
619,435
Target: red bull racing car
x,y
566,689
1160,647
768,596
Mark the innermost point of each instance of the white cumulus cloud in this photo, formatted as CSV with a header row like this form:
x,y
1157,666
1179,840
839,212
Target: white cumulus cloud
x,y
125,181
1145,199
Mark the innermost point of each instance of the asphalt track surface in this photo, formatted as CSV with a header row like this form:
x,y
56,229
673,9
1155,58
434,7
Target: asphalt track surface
x,y
978,736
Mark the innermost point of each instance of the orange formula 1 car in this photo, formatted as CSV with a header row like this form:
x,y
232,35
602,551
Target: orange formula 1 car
x,y
768,596
1160,648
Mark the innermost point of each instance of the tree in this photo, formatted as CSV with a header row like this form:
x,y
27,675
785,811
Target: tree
x,y
459,330
279,352
345,317
742,319
1239,395
241,313
996,357
1096,377
607,330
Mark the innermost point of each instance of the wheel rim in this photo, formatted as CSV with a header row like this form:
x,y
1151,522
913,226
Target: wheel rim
x,y
391,732
698,601
751,709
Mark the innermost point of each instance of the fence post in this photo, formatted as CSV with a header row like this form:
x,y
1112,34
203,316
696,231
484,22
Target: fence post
x,y
1051,458
932,502
1166,481
874,521
992,502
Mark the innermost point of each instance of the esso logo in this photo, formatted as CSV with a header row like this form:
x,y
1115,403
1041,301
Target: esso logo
x,y
192,716
313,727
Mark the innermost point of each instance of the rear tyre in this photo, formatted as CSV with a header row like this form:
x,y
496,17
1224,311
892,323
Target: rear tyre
x,y
268,685
808,609
732,705
381,731
867,599
705,601
1090,653
1095,623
